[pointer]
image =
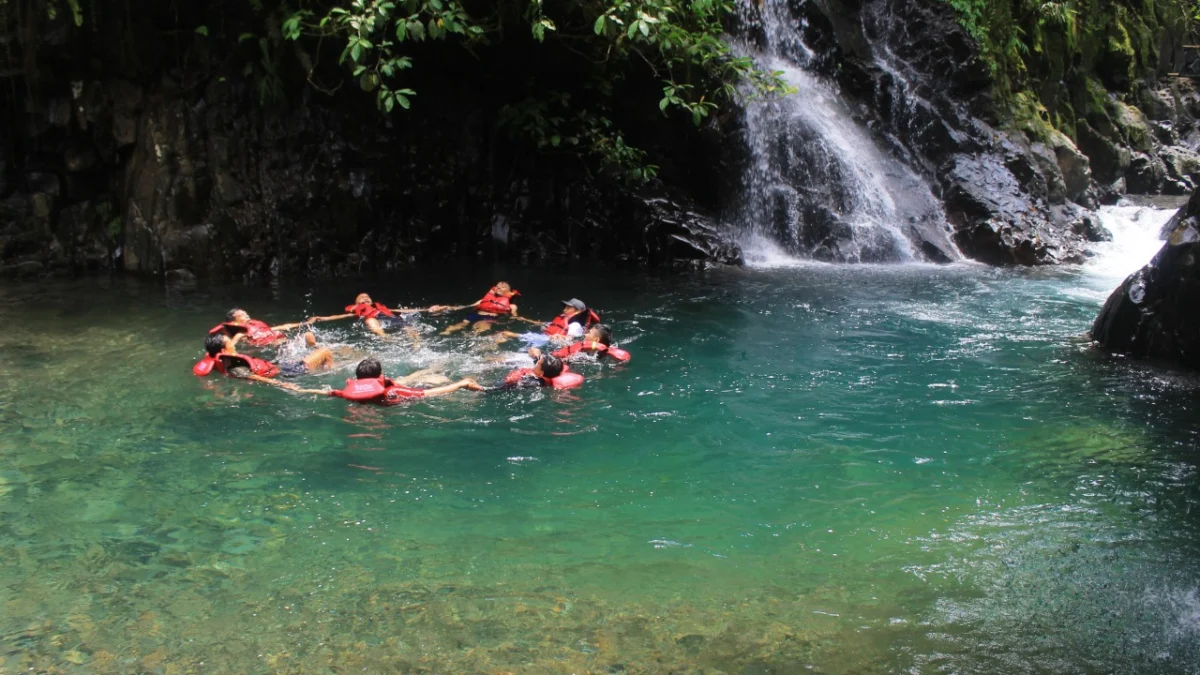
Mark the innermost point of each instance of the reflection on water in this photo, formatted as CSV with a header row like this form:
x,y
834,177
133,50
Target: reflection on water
x,y
870,469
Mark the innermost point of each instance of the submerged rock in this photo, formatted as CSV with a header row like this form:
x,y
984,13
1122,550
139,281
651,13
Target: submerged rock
x,y
1155,313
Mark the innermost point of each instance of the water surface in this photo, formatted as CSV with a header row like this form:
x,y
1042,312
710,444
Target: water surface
x,y
805,468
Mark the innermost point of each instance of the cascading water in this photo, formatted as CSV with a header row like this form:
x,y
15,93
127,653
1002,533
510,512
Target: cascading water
x,y
818,185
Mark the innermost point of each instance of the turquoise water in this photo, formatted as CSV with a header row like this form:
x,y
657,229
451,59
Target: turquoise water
x,y
805,468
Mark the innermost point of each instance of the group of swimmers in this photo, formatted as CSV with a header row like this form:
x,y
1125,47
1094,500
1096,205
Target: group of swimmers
x,y
575,332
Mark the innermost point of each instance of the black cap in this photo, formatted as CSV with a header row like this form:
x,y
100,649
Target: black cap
x,y
575,303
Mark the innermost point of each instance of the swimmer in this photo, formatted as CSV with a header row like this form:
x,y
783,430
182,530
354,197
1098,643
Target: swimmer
x,y
573,322
548,371
375,316
490,308
238,325
370,386
222,356
597,341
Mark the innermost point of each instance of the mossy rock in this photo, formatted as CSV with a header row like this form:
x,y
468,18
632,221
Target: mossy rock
x,y
1133,127
1117,61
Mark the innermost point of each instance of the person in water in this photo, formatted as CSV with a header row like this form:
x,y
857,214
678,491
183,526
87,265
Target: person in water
x,y
239,326
222,356
489,309
377,317
370,386
571,323
547,371
597,342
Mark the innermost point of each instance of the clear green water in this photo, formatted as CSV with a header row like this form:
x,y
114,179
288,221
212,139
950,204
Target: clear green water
x,y
810,469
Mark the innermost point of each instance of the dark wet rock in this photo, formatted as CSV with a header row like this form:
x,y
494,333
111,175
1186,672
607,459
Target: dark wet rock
x,y
1083,223
680,232
994,220
1145,174
1108,161
1075,168
1153,314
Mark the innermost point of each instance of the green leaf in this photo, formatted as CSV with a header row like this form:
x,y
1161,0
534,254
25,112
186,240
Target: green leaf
x,y
600,23
555,140
403,100
436,4
644,27
246,36
417,30
76,12
401,30
359,70
202,30
662,105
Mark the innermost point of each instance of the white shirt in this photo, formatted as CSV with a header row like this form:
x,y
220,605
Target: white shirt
x,y
575,330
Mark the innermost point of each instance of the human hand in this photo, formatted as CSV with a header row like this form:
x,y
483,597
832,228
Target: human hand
x,y
535,353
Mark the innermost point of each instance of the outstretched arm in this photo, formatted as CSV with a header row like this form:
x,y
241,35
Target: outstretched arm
x,y
465,383
454,308
334,317
288,326
273,382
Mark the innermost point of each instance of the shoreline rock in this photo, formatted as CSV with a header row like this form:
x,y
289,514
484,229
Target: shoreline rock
x,y
1155,313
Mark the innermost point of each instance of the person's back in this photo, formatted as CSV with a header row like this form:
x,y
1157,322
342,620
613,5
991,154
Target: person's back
x,y
369,385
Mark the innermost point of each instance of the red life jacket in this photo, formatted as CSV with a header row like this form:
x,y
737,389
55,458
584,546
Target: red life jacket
x,y
364,311
596,348
258,333
377,390
493,303
206,365
565,380
561,324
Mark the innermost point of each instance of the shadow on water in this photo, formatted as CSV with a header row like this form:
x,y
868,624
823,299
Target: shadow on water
x,y
849,470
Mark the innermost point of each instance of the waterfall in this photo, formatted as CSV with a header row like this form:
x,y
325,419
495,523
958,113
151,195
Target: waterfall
x,y
818,184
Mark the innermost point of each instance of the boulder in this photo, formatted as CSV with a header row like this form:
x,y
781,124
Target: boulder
x,y
683,234
995,220
1153,314
1145,174
1075,167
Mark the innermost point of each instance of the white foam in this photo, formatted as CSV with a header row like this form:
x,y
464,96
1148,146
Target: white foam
x,y
1135,231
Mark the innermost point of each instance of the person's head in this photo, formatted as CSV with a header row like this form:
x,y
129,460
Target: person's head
x,y
573,306
368,369
501,288
237,315
599,333
548,366
362,299
215,344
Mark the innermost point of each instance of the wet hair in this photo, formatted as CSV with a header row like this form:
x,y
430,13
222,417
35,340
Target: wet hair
x,y
368,369
215,343
552,366
362,298
231,315
603,334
